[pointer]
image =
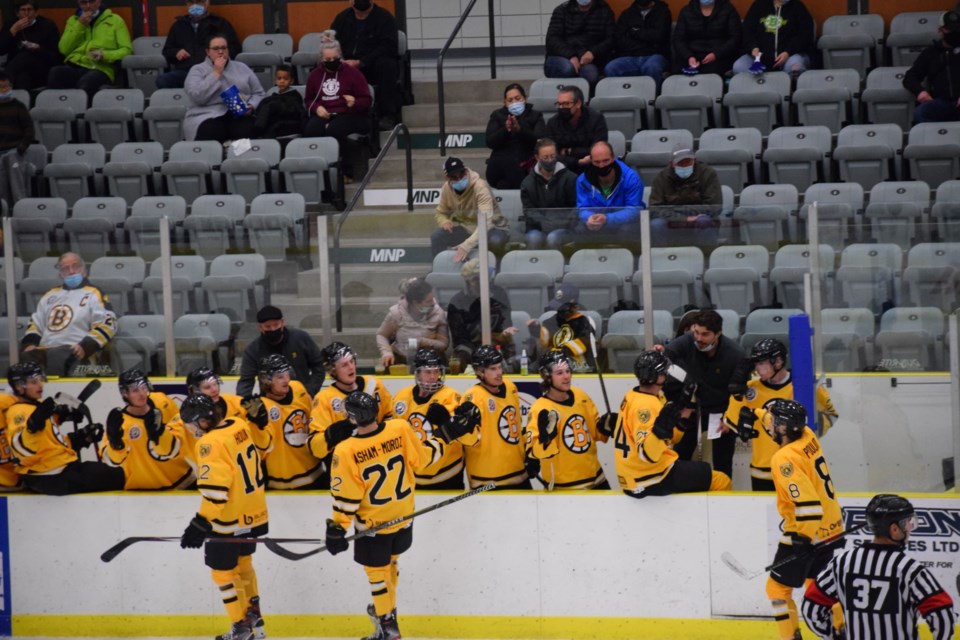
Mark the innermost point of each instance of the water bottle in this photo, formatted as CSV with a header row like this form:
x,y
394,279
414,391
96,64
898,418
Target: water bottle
x,y
524,363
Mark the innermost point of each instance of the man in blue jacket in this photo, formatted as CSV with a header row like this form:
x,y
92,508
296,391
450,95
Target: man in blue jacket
x,y
610,197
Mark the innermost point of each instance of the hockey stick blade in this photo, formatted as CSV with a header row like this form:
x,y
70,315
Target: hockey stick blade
x,y
121,546
746,574
738,568
89,390
273,545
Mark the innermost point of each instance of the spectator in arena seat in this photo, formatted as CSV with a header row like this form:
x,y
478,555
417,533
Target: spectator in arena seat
x,y
575,128
71,323
549,198
609,199
295,345
781,33
415,322
187,39
463,194
707,37
16,135
568,330
94,41
579,40
223,95
464,315
934,77
31,45
686,182
369,36
281,113
512,132
642,41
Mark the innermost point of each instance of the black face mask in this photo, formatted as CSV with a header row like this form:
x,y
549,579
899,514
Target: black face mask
x,y
952,38
274,337
361,5
331,65
565,113
602,172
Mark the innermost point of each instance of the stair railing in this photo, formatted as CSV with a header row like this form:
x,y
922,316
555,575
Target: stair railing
x,y
443,51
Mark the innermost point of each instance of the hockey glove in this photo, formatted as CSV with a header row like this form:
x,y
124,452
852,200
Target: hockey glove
x,y
745,424
465,419
738,379
338,432
38,419
195,533
801,545
437,415
256,411
547,425
666,420
688,395
335,538
532,466
89,435
153,423
115,430
607,423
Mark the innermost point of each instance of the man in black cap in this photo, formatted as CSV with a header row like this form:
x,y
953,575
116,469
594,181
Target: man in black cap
x,y
295,345
935,75
462,196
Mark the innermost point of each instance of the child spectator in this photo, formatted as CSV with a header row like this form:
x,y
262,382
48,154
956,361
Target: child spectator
x,y
281,113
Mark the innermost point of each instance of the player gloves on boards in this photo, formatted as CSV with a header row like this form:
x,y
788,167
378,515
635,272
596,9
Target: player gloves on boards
x,y
115,430
547,425
607,423
745,423
465,419
256,411
38,419
338,432
666,420
153,423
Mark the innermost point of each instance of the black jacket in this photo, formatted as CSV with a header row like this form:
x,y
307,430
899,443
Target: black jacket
x,y
280,107
639,35
549,205
43,32
572,32
937,71
298,348
182,35
712,374
519,143
368,39
796,35
579,137
697,35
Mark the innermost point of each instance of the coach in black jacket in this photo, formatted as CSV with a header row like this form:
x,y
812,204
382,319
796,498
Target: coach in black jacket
x,y
935,75
295,345
186,43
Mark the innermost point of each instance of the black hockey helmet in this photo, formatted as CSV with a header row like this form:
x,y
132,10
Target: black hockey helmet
x,y
549,360
331,354
198,406
131,379
428,359
271,365
361,407
789,413
885,509
486,355
198,376
649,366
18,374
768,349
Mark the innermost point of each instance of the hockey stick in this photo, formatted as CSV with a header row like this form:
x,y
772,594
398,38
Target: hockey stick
x,y
747,574
80,402
272,544
121,546
596,363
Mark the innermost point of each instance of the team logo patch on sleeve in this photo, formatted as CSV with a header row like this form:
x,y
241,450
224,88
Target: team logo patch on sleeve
x,y
274,413
786,470
751,393
644,415
205,450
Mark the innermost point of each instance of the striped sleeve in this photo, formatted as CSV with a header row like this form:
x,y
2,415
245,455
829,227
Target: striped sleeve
x,y
934,604
820,596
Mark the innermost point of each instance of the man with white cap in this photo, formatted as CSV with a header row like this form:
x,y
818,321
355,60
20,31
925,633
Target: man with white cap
x,y
687,193
463,194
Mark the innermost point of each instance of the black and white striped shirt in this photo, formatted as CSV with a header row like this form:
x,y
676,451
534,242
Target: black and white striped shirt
x,y
881,591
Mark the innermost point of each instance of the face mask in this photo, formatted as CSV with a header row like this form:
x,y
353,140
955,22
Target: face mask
x,y
424,310
565,113
460,185
196,10
332,65
6,95
361,5
706,3
584,3
952,38
548,165
710,347
683,172
275,336
517,108
73,281
602,171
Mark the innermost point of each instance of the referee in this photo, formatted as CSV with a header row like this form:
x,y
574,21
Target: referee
x,y
880,589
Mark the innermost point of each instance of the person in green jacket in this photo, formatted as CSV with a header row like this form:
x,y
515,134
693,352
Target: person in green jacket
x,y
93,42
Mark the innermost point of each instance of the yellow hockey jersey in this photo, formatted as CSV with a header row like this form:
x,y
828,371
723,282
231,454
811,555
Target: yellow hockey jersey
x,y
9,479
372,476
290,464
46,452
407,405
328,408
498,456
230,480
570,460
149,465
806,498
642,458
758,396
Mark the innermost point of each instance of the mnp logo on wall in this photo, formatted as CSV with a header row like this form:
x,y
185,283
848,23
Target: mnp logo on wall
x,y
6,628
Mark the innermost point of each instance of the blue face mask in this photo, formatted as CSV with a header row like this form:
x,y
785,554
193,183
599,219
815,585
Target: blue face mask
x,y
461,184
517,108
683,172
584,3
196,10
6,95
73,281
706,3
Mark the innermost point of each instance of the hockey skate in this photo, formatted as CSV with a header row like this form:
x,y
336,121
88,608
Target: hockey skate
x,y
385,627
254,619
239,631
375,619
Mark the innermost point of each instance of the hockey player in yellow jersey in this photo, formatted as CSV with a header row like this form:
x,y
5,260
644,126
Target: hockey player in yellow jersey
x,y
646,431
47,458
286,415
417,404
807,502
372,482
328,414
499,455
773,381
562,429
138,440
9,478
231,484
